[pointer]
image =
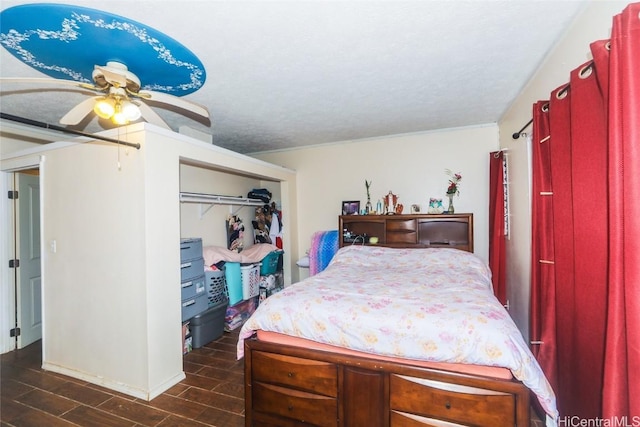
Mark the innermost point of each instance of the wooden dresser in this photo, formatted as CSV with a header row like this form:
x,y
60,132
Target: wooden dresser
x,y
419,230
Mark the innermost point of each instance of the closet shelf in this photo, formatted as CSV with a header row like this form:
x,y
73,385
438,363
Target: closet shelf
x,y
214,199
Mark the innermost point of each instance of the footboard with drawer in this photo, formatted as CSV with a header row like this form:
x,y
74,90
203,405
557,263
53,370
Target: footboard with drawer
x,y
293,386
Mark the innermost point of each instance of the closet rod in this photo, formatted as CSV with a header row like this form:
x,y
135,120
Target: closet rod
x,y
516,135
65,130
216,199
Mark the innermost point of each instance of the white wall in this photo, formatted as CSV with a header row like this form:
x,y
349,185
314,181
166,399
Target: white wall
x,y
594,23
412,166
15,137
94,293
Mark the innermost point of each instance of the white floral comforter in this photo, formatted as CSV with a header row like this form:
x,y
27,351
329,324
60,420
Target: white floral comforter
x,y
426,304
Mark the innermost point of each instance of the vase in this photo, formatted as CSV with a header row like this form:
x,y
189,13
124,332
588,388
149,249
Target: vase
x,y
368,207
451,209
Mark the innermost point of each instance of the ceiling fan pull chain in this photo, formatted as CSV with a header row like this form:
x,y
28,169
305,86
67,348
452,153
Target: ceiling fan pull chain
x,y
119,139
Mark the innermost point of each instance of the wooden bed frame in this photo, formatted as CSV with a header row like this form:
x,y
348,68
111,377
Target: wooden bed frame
x,y
287,386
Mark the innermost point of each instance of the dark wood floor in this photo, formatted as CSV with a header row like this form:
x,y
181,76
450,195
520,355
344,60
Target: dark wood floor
x,y
211,395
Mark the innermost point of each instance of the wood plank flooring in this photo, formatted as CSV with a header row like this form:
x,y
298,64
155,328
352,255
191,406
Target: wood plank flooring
x,y
211,395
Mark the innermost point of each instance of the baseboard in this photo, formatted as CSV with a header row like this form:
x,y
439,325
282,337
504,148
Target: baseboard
x,y
116,385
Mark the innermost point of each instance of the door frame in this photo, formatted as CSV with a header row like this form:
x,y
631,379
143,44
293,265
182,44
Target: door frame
x,y
8,250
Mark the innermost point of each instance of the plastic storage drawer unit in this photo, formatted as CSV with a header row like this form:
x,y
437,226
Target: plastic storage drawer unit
x,y
208,325
191,261
190,248
193,287
191,268
194,306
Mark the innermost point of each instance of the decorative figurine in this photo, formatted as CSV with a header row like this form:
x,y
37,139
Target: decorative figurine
x,y
390,201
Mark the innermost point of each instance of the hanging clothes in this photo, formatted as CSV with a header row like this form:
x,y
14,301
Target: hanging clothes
x,y
274,230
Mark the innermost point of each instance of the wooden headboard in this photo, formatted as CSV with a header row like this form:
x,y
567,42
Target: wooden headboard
x,y
408,231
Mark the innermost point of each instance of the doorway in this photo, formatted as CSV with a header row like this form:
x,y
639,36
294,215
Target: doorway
x,y
27,263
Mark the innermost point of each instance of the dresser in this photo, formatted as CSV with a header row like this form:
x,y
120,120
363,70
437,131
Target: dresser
x,y
415,230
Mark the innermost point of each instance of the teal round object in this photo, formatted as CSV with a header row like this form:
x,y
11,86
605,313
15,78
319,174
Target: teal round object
x,y
66,42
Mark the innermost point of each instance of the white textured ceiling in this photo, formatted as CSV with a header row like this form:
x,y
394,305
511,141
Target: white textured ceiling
x,y
283,74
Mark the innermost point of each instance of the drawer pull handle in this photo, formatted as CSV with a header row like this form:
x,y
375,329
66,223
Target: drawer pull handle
x,y
290,407
447,405
290,374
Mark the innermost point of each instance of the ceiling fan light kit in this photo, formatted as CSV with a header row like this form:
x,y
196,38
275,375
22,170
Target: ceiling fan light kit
x,y
104,108
120,112
162,62
131,111
125,112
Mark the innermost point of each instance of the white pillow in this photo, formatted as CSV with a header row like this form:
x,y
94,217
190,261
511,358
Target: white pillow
x,y
303,262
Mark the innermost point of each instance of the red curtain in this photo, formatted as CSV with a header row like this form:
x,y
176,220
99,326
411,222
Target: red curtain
x,y
586,209
497,255
621,394
543,290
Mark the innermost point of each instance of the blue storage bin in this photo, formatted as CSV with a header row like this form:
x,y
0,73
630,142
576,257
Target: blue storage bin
x,y
270,263
233,278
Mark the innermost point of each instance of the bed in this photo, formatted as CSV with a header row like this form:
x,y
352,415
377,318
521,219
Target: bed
x,y
390,337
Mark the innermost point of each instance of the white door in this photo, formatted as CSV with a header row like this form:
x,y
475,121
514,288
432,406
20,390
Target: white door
x,y
29,289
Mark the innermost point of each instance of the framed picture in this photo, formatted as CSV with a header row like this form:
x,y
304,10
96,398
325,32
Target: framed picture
x,y
351,207
435,206
415,209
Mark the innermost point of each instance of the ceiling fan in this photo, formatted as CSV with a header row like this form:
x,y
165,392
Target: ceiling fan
x,y
121,98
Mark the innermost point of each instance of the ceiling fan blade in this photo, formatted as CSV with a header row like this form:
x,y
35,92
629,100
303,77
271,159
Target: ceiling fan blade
x,y
45,80
174,100
151,116
79,112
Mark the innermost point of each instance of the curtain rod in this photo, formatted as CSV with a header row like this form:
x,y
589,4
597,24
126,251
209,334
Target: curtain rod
x,y
65,130
516,135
